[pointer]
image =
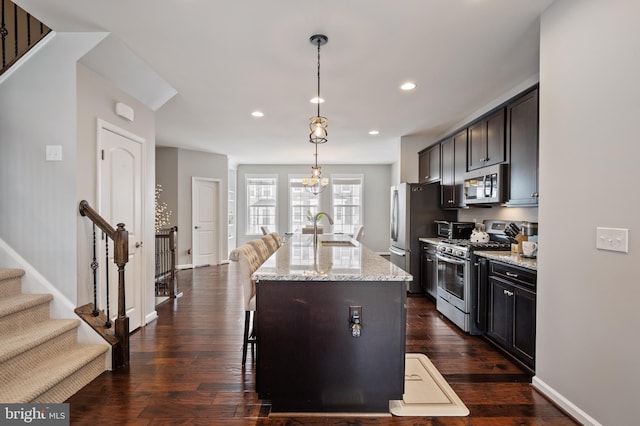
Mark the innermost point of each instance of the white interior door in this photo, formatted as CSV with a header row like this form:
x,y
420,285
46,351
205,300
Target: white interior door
x,y
205,220
120,201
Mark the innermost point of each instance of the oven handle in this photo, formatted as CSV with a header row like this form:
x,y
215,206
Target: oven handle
x,y
450,260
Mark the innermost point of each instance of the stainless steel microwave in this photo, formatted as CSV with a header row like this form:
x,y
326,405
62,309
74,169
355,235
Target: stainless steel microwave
x,y
486,185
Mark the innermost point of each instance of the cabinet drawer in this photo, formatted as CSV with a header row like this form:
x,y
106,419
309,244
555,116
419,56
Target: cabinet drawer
x,y
514,274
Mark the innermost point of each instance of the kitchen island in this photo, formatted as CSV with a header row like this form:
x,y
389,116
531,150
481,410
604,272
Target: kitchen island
x,y
331,326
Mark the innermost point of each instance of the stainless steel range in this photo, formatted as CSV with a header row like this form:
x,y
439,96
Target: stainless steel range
x,y
458,274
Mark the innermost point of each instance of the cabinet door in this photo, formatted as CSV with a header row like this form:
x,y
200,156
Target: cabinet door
x,y
522,135
487,141
459,167
429,165
477,145
424,269
495,139
524,325
447,179
432,272
500,312
482,313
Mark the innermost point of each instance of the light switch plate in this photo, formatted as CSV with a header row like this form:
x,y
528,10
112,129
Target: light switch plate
x,y
53,153
612,239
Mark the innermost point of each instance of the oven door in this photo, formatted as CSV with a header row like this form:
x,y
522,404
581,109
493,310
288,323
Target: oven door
x,y
453,278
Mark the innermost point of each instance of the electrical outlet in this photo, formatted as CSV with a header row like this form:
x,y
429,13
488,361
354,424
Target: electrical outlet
x,y
355,312
612,239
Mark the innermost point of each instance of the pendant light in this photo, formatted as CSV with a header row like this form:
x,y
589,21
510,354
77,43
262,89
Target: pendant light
x,y
318,124
318,127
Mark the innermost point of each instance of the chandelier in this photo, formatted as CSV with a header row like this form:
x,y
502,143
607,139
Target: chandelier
x,y
318,127
316,183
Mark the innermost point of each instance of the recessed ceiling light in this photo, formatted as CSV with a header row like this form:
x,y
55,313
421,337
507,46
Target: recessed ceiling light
x,y
408,86
257,114
374,132
317,100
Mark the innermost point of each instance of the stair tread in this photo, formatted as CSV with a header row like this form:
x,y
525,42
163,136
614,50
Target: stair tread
x,y
22,340
19,302
27,385
8,273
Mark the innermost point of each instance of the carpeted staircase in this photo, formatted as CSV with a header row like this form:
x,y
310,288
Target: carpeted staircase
x,y
40,358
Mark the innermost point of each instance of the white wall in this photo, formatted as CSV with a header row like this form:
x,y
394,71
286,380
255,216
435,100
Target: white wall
x,y
167,177
38,202
410,146
175,169
377,183
588,350
96,98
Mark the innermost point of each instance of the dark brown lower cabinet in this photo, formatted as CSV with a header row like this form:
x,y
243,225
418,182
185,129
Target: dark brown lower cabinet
x,y
512,311
307,356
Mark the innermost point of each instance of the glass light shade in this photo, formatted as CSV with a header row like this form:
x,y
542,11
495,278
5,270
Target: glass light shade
x,y
318,126
316,183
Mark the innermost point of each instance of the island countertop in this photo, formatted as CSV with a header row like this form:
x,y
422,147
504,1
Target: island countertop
x,y
338,258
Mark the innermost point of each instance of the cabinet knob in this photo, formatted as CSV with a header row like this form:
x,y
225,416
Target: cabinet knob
x,y
507,292
534,195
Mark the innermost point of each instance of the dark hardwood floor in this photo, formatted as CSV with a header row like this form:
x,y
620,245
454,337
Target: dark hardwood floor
x,y
185,370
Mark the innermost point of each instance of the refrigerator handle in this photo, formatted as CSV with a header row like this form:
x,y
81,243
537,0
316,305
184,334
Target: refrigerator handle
x,y
397,252
394,216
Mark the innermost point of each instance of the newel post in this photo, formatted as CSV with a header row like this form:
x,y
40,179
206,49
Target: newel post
x,y
120,258
173,242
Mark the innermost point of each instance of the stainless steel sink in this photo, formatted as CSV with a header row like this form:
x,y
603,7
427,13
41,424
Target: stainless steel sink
x,y
339,243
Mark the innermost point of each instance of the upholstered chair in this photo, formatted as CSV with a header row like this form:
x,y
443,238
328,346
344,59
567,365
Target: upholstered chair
x,y
244,262
359,232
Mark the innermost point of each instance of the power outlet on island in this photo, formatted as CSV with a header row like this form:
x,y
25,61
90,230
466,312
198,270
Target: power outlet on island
x,y
612,239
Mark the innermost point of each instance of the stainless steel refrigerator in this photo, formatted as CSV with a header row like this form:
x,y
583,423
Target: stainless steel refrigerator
x,y
414,208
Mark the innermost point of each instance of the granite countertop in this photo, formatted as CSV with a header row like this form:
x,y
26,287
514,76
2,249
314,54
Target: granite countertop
x,y
509,257
431,240
295,260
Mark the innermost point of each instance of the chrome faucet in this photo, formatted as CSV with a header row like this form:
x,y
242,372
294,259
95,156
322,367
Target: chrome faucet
x,y
316,218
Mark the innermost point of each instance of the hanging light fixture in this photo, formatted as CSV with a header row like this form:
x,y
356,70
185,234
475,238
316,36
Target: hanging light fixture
x,y
318,124
318,127
316,183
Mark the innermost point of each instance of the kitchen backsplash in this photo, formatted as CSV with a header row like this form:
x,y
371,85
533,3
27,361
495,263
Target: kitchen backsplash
x,y
516,214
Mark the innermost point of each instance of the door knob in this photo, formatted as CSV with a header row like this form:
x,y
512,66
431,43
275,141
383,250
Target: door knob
x,y
139,244
196,227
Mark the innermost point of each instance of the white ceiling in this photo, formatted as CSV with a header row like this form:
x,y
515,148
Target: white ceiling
x,y
226,59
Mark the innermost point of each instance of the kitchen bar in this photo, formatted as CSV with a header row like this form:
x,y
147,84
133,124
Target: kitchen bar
x,y
331,323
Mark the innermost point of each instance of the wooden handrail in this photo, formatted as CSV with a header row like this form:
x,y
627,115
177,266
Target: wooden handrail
x,y
120,238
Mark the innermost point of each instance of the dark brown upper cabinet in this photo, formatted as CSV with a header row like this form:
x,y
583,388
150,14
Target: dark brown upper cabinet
x,y
487,141
454,165
429,164
522,137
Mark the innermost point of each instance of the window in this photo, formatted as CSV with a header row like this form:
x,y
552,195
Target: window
x,y
261,199
301,204
346,199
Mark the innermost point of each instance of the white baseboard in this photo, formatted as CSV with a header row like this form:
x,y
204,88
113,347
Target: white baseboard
x,y
152,316
185,266
563,403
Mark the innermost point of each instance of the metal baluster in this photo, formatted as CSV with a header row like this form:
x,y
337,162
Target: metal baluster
x,y
108,323
94,267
